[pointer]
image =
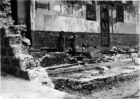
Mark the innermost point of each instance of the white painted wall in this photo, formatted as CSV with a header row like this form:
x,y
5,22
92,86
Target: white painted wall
x,y
125,28
54,21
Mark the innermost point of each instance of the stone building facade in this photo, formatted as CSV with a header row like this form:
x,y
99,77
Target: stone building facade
x,y
48,18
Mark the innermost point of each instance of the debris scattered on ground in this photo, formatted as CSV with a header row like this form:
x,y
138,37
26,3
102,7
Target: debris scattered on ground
x,y
55,58
32,66
40,76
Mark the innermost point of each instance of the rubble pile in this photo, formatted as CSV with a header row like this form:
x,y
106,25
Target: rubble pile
x,y
35,72
31,65
55,58
9,37
40,76
16,59
109,58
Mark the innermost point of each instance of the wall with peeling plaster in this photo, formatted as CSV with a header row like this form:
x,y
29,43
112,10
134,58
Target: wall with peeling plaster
x,y
52,20
131,22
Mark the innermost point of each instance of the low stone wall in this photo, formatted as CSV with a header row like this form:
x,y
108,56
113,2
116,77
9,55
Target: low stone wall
x,y
124,39
49,39
87,87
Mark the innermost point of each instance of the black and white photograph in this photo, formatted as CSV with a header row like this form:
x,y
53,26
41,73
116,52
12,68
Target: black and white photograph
x,y
69,49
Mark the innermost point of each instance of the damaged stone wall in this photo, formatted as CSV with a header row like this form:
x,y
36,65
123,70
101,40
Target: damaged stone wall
x,y
15,59
52,20
9,39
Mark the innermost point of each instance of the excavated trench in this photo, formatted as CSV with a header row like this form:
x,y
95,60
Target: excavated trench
x,y
87,80
88,87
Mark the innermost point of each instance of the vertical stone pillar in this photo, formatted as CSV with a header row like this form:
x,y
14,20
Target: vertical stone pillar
x,y
104,22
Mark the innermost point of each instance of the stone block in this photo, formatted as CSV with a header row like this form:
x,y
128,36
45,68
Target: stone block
x,y
40,75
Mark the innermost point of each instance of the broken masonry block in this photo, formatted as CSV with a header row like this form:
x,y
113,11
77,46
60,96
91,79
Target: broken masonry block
x,y
39,75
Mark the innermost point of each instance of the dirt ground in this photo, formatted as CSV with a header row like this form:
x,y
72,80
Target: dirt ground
x,y
16,88
126,90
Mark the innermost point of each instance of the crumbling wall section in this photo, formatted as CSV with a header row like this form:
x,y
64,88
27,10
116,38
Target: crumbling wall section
x,y
10,38
15,58
11,45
